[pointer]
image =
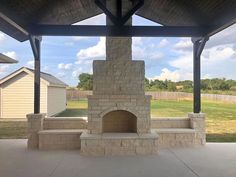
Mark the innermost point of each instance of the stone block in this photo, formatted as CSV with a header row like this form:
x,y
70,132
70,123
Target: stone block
x,y
120,151
35,124
144,150
93,151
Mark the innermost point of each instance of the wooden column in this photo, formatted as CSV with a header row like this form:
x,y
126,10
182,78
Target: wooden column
x,y
35,45
198,46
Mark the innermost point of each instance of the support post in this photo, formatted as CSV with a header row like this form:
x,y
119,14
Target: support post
x,y
198,46
35,45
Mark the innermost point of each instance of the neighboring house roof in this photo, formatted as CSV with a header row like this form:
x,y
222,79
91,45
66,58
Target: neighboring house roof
x,y
6,59
48,78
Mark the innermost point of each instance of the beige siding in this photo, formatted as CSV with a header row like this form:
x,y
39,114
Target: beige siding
x,y
18,95
56,100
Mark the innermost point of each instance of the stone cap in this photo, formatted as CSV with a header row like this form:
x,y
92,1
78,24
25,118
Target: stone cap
x,y
151,135
62,131
65,119
170,118
36,116
175,130
196,115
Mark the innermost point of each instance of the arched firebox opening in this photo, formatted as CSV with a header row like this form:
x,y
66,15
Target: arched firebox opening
x,y
119,122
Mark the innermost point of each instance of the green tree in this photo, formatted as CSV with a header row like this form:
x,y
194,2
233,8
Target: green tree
x,y
85,81
171,86
146,84
158,85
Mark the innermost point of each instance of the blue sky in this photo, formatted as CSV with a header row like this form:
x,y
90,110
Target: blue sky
x,y
165,58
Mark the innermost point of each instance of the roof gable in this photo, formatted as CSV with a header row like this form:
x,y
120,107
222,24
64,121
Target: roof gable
x,y
48,78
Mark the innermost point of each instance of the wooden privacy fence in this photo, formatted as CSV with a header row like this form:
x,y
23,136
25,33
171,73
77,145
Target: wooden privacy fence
x,y
78,94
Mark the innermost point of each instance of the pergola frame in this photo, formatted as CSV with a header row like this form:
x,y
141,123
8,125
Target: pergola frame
x,y
198,33
199,36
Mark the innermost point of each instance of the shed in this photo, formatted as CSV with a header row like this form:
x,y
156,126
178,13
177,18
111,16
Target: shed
x,y
17,94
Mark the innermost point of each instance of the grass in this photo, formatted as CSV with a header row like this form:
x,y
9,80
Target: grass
x,y
13,129
75,109
220,122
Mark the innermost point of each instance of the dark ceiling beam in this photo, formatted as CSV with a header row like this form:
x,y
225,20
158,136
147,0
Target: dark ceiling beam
x,y
13,24
102,6
131,12
118,31
119,19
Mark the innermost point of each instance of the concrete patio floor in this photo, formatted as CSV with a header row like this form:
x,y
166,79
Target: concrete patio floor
x,y
213,160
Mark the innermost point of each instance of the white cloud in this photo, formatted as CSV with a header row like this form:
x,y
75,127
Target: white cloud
x,y
163,43
77,72
143,48
3,68
184,44
2,36
11,54
64,66
184,61
216,61
137,41
166,74
61,74
80,38
156,55
86,56
30,64
94,52
227,36
219,53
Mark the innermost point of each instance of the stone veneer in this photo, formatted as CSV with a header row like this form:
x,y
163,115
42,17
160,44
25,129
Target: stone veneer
x,y
35,124
65,133
197,122
99,106
119,144
118,85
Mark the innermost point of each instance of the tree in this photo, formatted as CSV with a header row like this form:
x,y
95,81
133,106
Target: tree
x,y
85,81
146,84
158,85
171,86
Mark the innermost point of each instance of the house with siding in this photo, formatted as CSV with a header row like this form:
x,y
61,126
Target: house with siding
x,y
17,94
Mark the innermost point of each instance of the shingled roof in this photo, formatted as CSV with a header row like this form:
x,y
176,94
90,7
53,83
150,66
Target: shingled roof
x,y
219,13
6,59
52,80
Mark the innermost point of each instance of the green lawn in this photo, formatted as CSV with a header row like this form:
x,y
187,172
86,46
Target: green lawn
x,y
75,109
221,117
13,129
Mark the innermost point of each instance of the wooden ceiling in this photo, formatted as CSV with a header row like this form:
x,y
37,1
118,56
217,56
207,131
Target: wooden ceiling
x,y
17,15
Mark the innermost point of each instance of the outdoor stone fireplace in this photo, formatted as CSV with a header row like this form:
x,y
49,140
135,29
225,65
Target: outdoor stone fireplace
x,y
118,110
118,99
